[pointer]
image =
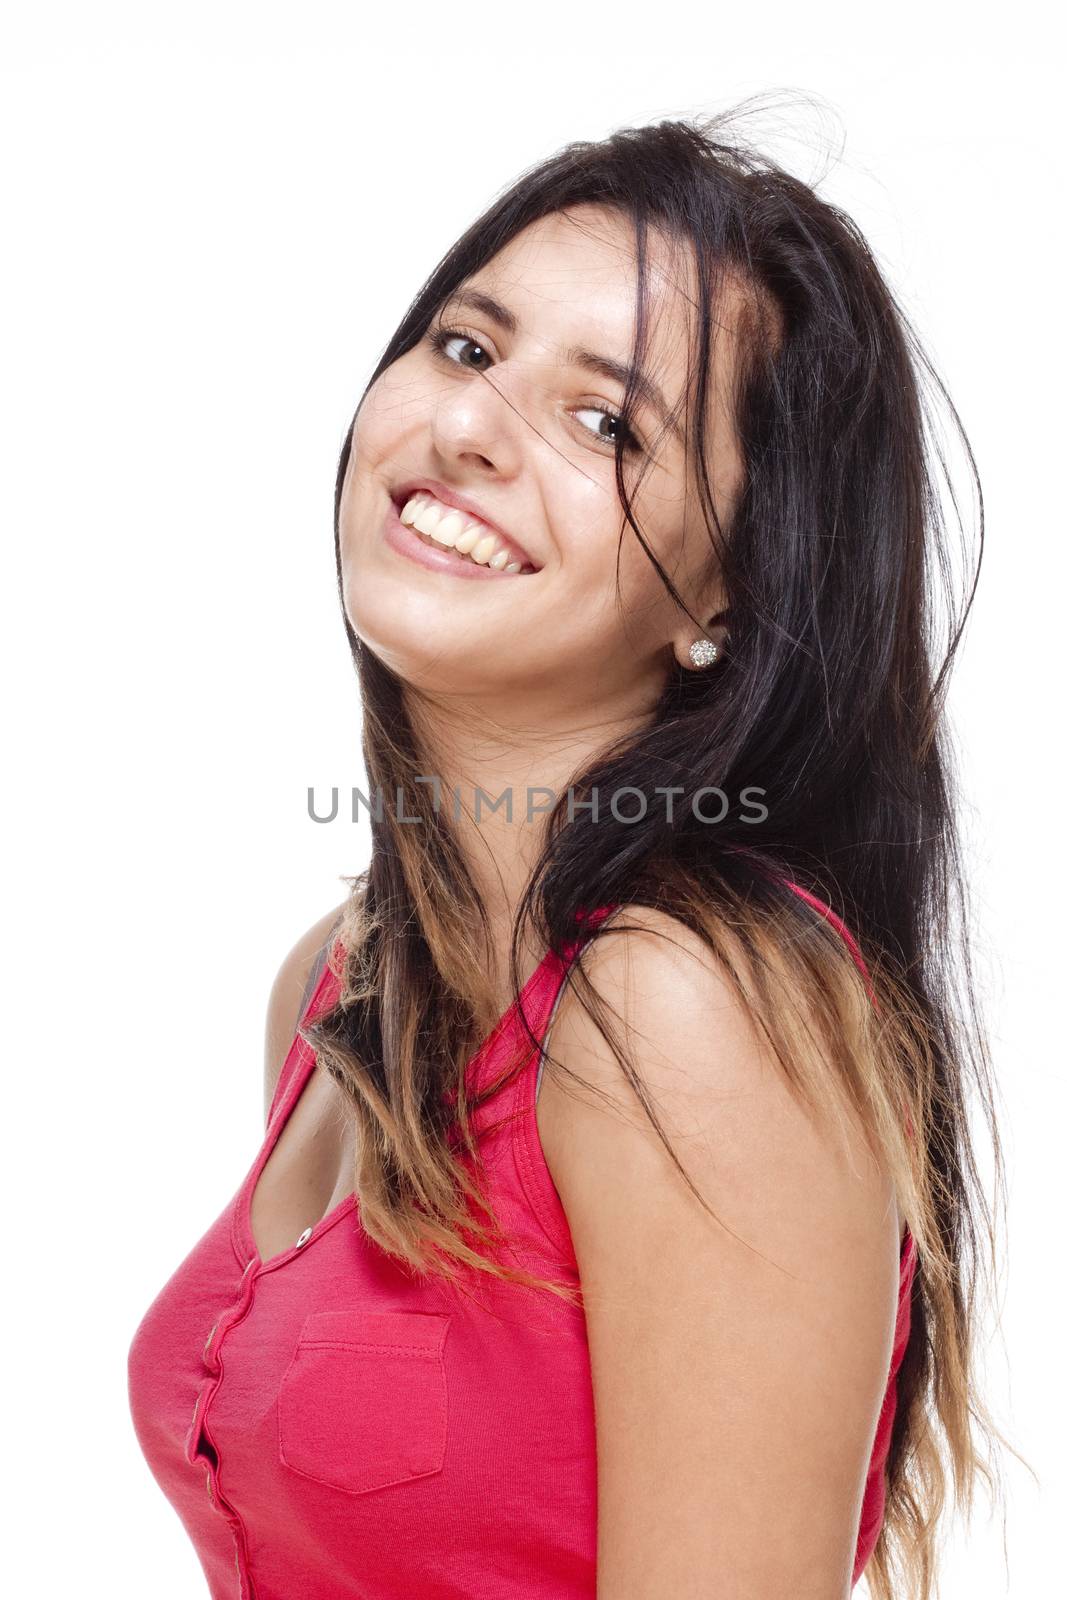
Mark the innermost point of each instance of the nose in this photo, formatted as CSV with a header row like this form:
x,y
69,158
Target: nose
x,y
479,424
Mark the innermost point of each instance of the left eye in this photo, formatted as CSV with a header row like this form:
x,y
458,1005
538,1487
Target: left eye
x,y
622,435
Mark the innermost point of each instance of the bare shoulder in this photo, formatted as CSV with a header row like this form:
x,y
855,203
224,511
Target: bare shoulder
x,y
287,994
706,1065
677,1011
740,1358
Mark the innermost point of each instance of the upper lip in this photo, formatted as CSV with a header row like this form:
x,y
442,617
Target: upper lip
x,y
461,502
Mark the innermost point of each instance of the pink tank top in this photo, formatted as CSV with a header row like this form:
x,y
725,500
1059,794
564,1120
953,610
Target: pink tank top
x,y
330,1425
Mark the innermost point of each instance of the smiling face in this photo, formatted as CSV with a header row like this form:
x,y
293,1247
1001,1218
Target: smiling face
x,y
497,414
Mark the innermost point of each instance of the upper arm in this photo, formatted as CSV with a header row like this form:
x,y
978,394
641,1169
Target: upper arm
x,y
286,998
738,1365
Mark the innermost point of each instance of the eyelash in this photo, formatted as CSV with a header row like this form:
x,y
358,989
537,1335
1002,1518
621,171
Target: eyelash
x,y
439,336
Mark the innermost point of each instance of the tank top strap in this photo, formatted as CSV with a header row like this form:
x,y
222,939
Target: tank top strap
x,y
505,1122
508,1049
835,922
323,994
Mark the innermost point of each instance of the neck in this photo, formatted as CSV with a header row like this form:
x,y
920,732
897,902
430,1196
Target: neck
x,y
507,779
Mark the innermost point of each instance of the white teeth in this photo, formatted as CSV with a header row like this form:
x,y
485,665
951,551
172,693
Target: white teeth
x,y
427,516
470,536
484,549
450,528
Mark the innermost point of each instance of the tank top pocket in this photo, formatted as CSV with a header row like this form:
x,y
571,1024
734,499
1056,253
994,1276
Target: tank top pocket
x,y
363,1403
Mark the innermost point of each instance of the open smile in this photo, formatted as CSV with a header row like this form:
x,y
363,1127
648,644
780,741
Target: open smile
x,y
436,535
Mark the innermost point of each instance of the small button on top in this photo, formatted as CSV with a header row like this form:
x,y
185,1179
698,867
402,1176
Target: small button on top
x,y
304,1237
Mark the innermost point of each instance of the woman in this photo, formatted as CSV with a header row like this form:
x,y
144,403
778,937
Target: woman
x,y
635,531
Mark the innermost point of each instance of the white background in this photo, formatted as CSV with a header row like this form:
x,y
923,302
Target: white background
x,y
215,217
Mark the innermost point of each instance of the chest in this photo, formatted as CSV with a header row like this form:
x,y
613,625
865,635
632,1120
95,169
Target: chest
x,y
332,1426
310,1170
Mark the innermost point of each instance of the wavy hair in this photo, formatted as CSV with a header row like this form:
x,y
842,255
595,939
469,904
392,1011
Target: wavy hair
x,y
845,610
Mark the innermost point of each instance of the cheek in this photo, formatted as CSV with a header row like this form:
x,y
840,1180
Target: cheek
x,y
374,451
683,550
378,424
605,573
643,590
583,511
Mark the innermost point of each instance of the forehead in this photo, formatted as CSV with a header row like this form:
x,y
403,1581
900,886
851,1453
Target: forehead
x,y
574,273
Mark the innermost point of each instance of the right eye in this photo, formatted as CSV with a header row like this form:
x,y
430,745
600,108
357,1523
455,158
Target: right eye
x,y
440,338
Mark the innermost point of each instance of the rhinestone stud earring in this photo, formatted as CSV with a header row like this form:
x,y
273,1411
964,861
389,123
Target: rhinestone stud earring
x,y
703,653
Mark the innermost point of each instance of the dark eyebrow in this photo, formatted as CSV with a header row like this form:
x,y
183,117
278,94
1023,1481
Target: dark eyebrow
x,y
575,355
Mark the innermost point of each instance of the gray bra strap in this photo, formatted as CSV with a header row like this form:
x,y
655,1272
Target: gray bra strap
x,y
316,970
548,1026
559,995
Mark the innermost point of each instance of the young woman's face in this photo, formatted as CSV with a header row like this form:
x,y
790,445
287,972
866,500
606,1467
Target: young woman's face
x,y
504,418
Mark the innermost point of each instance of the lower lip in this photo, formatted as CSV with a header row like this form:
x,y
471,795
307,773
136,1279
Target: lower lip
x,y
406,542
